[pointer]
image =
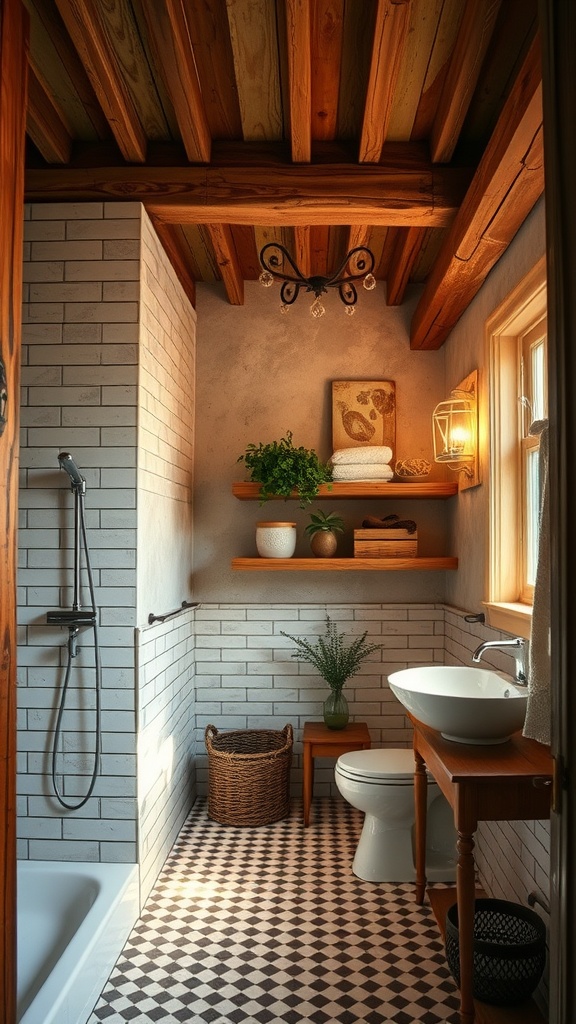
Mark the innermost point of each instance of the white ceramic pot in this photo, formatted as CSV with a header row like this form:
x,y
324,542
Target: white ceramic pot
x,y
275,540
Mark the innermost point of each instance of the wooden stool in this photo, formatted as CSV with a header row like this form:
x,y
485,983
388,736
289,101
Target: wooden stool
x,y
320,741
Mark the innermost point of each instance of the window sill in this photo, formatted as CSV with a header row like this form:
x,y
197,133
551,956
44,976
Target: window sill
x,y
509,616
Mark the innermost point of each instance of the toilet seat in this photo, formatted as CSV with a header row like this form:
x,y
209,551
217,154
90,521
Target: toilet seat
x,y
378,765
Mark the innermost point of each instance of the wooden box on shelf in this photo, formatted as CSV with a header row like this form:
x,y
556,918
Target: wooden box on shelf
x,y
375,543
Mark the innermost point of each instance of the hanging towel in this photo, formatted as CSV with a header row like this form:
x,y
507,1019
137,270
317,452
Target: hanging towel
x,y
539,708
371,471
370,453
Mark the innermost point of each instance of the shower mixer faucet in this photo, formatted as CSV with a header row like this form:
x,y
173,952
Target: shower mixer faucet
x,y
520,653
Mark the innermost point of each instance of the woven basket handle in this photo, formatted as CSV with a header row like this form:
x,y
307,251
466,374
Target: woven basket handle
x,y
210,734
288,733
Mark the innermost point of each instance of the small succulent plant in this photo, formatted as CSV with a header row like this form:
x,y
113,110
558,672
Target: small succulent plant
x,y
324,521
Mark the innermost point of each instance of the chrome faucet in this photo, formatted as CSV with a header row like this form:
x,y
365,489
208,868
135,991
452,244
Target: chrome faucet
x,y
520,655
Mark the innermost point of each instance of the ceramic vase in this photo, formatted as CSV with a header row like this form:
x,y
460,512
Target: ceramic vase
x,y
275,540
336,713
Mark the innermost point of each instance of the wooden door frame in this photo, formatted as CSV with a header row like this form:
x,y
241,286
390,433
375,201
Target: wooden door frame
x,y
558,19
13,83
558,25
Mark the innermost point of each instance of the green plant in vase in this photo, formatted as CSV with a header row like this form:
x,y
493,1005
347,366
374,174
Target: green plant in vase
x,y
322,530
280,469
336,661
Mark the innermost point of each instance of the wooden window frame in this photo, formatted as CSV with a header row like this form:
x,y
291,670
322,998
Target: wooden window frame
x,y
505,609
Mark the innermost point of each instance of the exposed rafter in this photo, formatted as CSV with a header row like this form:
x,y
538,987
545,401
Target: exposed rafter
x,y
474,35
302,248
85,29
176,248
299,74
223,245
44,123
404,256
170,37
507,183
392,19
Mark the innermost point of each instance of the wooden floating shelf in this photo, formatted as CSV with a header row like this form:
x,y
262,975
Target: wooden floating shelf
x,y
344,564
248,491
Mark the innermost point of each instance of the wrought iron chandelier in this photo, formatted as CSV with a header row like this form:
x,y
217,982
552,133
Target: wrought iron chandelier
x,y
360,261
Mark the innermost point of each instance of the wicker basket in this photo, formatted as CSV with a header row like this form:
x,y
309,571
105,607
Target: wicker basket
x,y
509,947
249,775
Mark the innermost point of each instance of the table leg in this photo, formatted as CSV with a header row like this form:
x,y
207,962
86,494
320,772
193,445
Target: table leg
x,y
466,893
420,808
307,781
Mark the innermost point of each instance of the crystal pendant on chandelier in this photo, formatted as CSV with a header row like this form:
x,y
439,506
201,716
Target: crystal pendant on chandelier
x,y
369,282
350,310
317,309
284,309
266,278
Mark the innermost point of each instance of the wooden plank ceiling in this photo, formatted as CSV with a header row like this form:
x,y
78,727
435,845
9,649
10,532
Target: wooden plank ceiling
x,y
411,126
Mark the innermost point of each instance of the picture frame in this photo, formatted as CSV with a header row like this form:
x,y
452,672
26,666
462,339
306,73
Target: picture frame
x,y
363,413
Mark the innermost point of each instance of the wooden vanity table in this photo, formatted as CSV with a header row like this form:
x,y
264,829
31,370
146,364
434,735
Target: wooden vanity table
x,y
511,781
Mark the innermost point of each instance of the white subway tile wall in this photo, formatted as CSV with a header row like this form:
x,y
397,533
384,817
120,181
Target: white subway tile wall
x,y
165,743
84,270
246,677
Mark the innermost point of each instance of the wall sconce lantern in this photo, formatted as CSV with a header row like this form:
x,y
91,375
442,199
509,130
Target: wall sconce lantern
x,y
455,427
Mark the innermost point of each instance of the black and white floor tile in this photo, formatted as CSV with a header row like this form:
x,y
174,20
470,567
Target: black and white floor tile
x,y
270,926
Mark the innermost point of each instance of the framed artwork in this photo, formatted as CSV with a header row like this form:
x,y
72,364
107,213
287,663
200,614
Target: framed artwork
x,y
363,413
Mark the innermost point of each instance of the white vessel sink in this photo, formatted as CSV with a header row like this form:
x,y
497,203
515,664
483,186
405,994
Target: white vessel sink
x,y
467,705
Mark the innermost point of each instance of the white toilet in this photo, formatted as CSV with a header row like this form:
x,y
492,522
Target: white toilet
x,y
381,783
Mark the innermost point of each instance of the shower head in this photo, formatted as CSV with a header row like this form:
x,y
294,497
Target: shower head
x,y
67,462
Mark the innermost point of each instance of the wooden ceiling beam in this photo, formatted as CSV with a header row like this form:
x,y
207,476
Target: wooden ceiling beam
x,y
418,195
299,78
303,248
178,252
406,251
44,124
227,260
170,38
327,32
508,182
87,34
392,18
472,43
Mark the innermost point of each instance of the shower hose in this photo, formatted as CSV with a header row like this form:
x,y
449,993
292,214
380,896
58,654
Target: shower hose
x,y
72,652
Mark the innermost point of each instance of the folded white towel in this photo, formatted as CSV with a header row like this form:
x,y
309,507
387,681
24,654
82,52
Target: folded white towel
x,y
361,456
374,471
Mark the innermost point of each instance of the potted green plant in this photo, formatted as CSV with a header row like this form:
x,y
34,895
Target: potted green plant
x,y
336,661
280,468
322,530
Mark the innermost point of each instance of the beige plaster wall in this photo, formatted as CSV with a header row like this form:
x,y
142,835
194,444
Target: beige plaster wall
x,y
465,350
259,374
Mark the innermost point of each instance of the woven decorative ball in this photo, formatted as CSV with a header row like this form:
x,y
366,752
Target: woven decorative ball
x,y
412,469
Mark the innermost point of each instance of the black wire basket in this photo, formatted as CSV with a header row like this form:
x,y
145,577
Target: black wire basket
x,y
509,951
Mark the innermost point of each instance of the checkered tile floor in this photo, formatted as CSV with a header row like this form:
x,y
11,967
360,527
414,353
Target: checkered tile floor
x,y
269,926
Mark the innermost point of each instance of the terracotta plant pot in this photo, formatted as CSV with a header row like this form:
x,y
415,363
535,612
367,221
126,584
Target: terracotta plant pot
x,y
323,544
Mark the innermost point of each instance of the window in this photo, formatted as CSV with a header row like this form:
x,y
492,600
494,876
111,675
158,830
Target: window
x,y
517,360
534,406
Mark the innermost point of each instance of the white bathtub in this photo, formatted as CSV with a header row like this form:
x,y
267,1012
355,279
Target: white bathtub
x,y
73,920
